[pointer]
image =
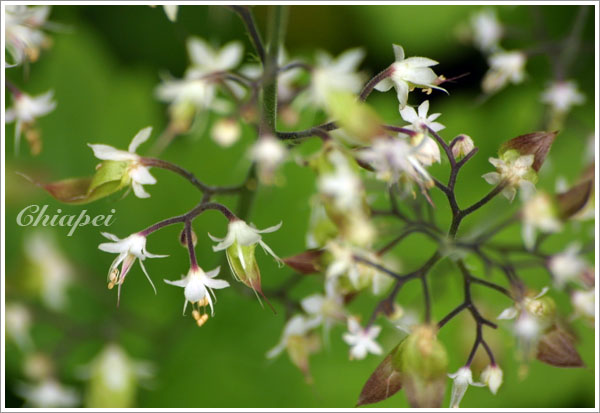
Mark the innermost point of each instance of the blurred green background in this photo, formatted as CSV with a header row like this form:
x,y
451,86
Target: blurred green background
x,y
104,66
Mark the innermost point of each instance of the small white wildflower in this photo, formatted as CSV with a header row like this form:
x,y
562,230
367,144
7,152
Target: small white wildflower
x,y
505,67
463,378
562,95
26,109
198,286
492,377
487,30
408,74
362,341
331,75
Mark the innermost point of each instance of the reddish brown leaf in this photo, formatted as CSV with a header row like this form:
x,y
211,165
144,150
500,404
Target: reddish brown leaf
x,y
537,144
307,262
383,383
557,348
573,200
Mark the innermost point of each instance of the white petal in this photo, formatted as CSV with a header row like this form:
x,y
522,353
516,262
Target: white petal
x,y
177,283
142,175
230,56
215,239
200,52
385,85
109,153
423,109
409,114
141,137
398,52
420,62
270,229
213,273
350,59
147,275
139,190
112,247
277,350
491,178
171,11
402,93
508,314
110,236
216,284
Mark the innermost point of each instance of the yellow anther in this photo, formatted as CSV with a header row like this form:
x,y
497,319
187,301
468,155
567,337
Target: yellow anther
x,y
111,285
203,318
203,302
196,315
113,275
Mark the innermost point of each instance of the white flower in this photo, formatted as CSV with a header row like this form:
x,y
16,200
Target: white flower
x,y
268,152
392,158
171,11
24,39
463,146
515,171
538,213
339,74
197,91
137,172
243,235
584,303
561,95
54,269
18,324
407,74
361,341
129,249
297,326
505,67
567,265
226,132
327,309
206,59
26,109
487,30
198,286
342,185
492,377
463,378
49,393
421,121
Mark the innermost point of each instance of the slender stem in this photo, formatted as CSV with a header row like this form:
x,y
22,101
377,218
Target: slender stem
x,y
159,163
246,15
189,216
368,88
190,244
426,297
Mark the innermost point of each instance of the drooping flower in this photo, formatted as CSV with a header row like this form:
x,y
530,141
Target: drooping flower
x,y
51,269
25,110
408,74
268,152
18,324
362,340
567,265
239,245
539,213
24,37
226,132
487,30
492,377
198,287
49,393
331,75
463,378
299,341
463,146
562,95
129,249
393,158
584,303
515,171
136,173
505,67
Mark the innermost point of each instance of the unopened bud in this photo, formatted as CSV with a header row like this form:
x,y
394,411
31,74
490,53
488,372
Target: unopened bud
x,y
463,144
226,132
183,238
492,377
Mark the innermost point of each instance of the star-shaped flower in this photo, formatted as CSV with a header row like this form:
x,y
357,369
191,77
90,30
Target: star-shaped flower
x,y
198,286
516,171
561,95
336,74
129,249
137,172
408,74
362,341
463,378
505,67
26,109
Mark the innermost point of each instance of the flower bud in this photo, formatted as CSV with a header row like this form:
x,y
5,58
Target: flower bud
x,y
557,348
575,199
183,239
536,143
307,262
226,132
423,362
463,144
492,377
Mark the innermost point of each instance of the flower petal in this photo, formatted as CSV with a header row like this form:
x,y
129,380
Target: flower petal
x,y
109,153
141,137
398,52
139,190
